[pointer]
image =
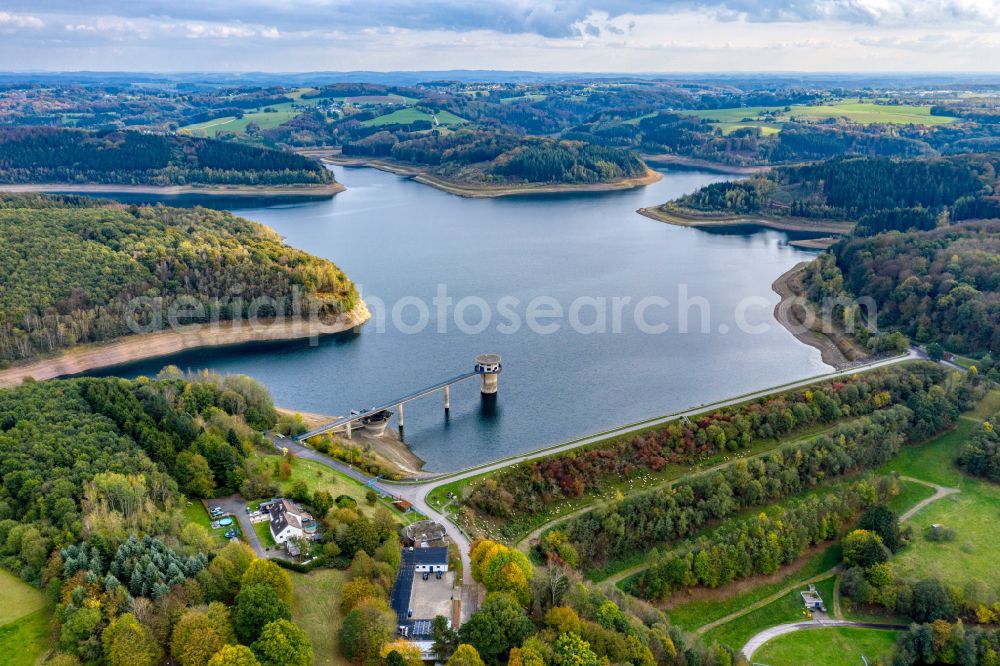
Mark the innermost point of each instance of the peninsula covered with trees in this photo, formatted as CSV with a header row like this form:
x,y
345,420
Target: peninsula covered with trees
x,y
78,270
878,194
48,155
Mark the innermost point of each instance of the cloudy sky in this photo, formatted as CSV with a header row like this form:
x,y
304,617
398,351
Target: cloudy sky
x,y
540,35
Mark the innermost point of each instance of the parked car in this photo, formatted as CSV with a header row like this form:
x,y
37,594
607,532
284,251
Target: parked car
x,y
231,534
216,511
427,574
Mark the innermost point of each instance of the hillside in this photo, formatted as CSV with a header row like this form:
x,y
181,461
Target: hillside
x,y
76,270
935,286
99,503
498,158
51,155
879,194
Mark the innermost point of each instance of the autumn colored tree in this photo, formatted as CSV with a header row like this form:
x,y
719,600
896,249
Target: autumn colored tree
x,y
128,643
266,572
408,652
571,650
863,548
465,655
234,655
354,592
501,569
194,640
365,630
222,577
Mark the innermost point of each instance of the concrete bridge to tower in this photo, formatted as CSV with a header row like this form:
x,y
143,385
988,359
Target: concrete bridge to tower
x,y
487,368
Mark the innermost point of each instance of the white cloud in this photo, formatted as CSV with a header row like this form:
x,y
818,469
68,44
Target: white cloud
x,y
10,21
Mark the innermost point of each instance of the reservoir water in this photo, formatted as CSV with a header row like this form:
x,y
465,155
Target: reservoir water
x,y
403,242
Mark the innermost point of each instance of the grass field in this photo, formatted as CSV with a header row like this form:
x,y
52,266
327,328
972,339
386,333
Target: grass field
x,y
909,494
532,97
867,113
194,512
24,641
410,115
788,608
263,531
315,609
318,476
863,113
279,114
24,622
839,646
19,598
973,514
695,614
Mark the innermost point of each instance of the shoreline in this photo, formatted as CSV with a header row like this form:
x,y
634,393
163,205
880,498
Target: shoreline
x,y
146,346
779,223
389,448
477,190
327,189
693,163
835,348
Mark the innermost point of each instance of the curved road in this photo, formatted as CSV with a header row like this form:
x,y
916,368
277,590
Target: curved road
x,y
757,641
416,492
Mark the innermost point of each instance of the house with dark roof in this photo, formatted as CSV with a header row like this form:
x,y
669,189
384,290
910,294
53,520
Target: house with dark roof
x,y
286,520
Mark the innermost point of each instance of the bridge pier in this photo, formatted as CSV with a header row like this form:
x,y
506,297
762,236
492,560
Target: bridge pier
x,y
487,367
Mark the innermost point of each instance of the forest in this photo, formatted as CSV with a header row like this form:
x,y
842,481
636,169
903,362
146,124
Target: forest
x,y
528,487
880,194
980,456
938,286
678,511
485,156
51,155
759,544
87,465
77,270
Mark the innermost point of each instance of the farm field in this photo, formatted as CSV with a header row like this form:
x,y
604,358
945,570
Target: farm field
x,y
410,115
315,608
279,114
837,646
863,113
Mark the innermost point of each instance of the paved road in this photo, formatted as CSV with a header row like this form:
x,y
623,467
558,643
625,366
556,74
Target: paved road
x,y
758,640
237,506
416,492
939,492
